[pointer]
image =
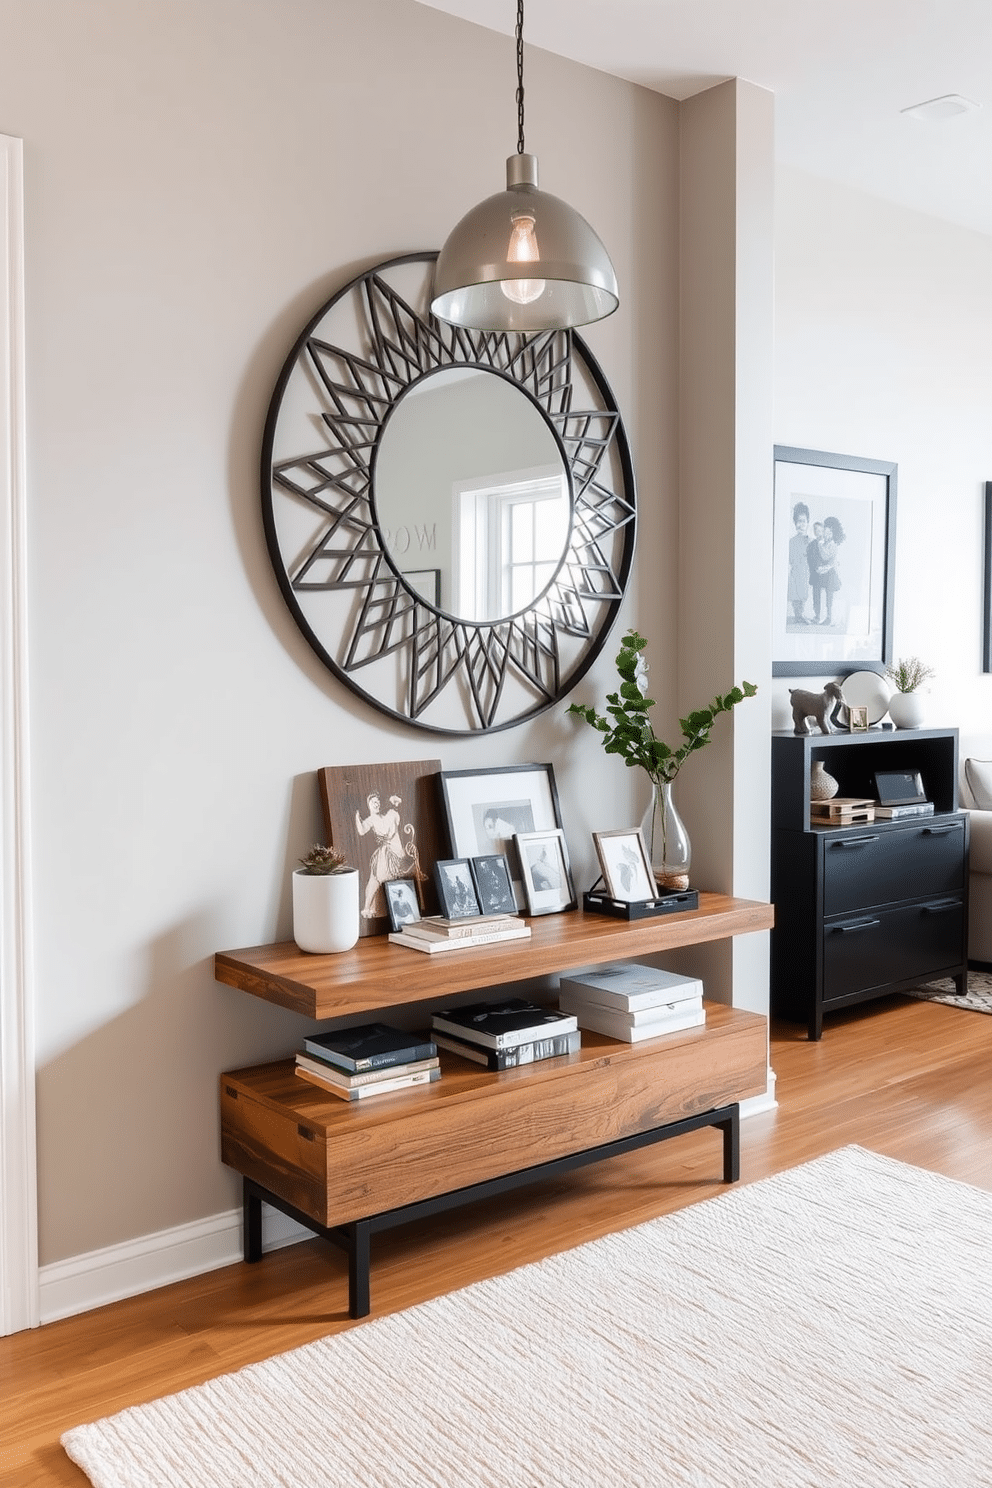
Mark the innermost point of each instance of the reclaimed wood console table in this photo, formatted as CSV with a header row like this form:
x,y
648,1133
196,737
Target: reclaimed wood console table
x,y
347,1170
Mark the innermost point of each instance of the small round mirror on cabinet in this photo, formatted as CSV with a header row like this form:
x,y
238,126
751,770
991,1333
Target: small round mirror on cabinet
x,y
450,514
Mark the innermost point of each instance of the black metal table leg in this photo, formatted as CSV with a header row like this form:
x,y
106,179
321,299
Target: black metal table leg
x,y
731,1129
359,1267
252,1208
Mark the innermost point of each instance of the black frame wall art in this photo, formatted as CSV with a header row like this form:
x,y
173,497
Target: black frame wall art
x,y
833,565
987,600
486,809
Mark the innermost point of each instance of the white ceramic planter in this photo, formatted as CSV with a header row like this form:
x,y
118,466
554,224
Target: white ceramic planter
x,y
906,710
325,910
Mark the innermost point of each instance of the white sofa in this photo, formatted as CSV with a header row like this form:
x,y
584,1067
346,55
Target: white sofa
x,y
976,799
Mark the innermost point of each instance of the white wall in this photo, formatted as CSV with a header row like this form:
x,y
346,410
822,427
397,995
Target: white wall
x,y
883,322
200,176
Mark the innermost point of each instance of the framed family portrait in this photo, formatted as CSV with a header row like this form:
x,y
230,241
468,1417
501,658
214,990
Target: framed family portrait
x,y
625,865
486,810
833,563
544,870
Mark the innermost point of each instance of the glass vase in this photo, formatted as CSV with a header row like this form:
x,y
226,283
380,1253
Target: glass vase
x,y
667,840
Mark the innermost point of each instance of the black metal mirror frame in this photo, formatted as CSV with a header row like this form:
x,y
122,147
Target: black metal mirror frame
x,y
448,675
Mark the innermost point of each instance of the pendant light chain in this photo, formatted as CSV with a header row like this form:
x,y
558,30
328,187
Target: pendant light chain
x,y
520,77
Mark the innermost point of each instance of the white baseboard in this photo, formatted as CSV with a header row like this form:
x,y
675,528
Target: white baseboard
x,y
101,1276
135,1266
755,1105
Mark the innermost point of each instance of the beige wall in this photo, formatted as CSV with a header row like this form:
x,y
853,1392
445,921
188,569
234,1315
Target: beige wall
x,y
200,175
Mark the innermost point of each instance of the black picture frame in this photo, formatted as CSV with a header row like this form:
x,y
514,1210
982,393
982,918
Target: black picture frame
x,y
485,809
493,885
842,621
987,601
456,889
401,902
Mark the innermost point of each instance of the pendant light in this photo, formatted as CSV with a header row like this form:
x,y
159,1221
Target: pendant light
x,y
523,260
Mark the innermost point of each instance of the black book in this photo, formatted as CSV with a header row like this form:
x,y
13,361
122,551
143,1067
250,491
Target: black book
x,y
369,1046
503,1025
504,1059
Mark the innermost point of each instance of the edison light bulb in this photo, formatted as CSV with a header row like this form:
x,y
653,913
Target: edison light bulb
x,y
522,249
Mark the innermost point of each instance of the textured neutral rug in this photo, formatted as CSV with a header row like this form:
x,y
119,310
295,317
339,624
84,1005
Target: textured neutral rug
x,y
977,999
831,1325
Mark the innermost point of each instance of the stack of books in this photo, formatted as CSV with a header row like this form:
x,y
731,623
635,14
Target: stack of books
x,y
366,1060
630,1002
502,1035
435,933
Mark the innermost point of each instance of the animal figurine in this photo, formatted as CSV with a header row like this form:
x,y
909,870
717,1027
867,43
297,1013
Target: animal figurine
x,y
816,705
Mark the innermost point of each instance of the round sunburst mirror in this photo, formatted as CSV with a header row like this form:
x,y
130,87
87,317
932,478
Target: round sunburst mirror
x,y
450,514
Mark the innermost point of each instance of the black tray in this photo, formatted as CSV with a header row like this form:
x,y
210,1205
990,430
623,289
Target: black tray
x,y
594,902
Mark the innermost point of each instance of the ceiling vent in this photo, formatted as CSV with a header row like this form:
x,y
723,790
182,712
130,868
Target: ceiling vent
x,y
936,110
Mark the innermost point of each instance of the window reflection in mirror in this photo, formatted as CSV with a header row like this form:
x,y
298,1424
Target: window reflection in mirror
x,y
469,480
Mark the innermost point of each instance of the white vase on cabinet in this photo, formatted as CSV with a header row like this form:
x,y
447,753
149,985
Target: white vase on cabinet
x,y
906,709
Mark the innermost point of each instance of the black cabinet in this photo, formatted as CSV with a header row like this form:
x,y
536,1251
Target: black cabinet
x,y
872,908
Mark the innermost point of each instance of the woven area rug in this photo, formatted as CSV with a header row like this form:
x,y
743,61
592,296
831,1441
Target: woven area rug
x,y
977,999
828,1327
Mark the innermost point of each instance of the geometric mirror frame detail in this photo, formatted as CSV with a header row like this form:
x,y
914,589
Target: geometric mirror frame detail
x,y
373,566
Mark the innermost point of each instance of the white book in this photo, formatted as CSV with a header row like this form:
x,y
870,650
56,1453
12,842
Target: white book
x,y
572,1002
518,931
628,985
361,1092
601,1020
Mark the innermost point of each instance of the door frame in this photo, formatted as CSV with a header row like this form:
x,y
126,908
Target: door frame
x,y
19,1299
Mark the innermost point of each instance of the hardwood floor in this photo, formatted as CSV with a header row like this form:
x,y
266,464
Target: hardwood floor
x,y
906,1078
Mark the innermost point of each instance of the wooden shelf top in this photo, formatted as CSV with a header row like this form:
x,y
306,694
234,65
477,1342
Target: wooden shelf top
x,y
378,974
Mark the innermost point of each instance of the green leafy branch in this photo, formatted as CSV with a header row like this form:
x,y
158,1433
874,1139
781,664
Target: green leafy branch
x,y
628,731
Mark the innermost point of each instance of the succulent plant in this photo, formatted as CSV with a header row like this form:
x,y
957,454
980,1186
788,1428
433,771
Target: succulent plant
x,y
320,861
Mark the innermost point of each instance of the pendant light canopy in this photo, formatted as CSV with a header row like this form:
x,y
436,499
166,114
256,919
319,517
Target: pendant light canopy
x,y
523,260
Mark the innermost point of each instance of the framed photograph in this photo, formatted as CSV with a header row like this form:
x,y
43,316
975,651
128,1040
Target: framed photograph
x,y
857,718
833,563
493,888
545,872
626,866
401,902
384,818
486,809
456,888
987,606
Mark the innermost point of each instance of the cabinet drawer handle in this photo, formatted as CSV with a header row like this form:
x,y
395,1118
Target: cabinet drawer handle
x,y
939,831
853,841
944,907
853,928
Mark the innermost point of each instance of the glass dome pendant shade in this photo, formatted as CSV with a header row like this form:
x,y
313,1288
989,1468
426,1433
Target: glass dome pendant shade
x,y
523,260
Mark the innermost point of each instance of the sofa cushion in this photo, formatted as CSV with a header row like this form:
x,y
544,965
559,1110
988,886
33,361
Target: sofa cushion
x,y
978,775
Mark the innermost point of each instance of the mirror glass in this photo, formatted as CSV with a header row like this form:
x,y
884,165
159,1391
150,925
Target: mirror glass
x,y
471,494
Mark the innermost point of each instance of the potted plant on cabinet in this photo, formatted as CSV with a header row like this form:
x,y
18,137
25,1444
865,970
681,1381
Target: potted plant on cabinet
x,y
906,705
325,902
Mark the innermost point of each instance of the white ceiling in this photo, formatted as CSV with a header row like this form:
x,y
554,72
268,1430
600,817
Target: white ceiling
x,y
842,71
